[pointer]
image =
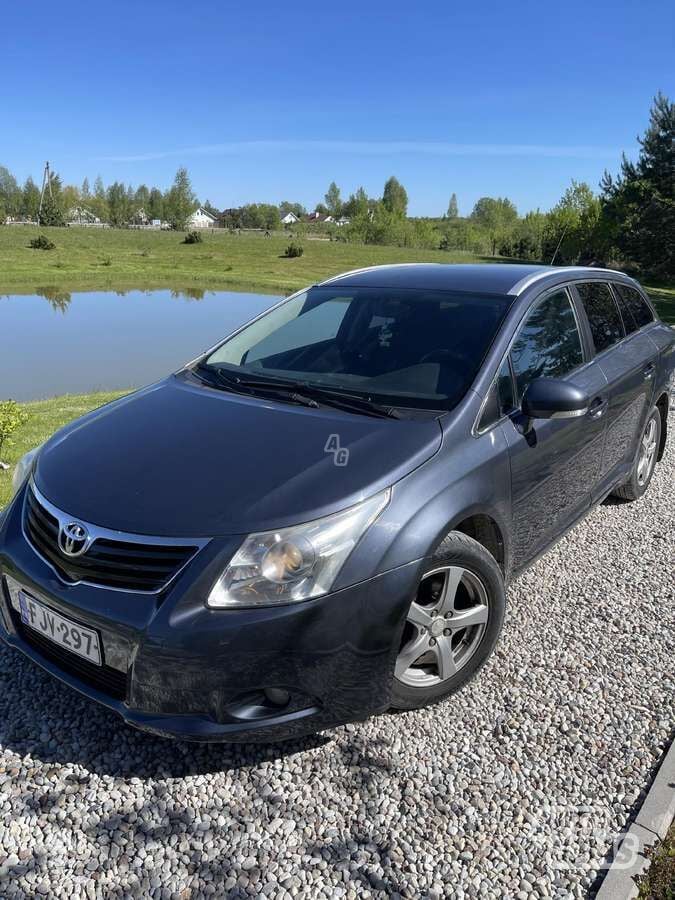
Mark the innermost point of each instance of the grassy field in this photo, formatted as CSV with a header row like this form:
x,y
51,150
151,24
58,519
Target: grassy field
x,y
91,259
45,417
664,300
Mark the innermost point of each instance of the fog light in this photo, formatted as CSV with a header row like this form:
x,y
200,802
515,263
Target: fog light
x,y
277,696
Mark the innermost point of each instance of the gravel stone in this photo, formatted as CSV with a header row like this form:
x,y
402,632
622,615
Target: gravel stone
x,y
517,786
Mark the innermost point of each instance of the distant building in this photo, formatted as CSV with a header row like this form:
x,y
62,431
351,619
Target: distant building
x,y
140,219
201,218
289,219
317,218
19,220
343,220
80,215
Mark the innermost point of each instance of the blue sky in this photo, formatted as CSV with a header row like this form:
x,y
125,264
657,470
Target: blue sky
x,y
272,101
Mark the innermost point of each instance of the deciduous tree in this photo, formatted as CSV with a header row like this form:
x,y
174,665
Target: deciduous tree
x,y
498,216
155,204
572,227
333,200
395,197
30,199
10,194
180,201
357,204
118,204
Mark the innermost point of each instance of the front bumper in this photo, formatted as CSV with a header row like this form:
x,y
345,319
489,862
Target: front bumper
x,y
175,668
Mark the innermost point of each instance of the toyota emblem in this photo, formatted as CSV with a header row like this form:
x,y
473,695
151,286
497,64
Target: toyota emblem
x,y
73,539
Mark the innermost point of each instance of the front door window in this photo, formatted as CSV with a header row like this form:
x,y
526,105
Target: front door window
x,y
548,344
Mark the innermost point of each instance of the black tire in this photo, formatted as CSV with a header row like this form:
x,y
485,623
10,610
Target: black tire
x,y
458,549
636,486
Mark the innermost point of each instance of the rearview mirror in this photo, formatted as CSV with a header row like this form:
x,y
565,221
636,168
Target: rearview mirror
x,y
552,398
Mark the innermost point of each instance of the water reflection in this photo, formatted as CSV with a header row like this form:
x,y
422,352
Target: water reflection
x,y
58,300
188,294
110,340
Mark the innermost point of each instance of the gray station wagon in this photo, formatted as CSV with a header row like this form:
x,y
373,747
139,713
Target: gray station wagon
x,y
317,519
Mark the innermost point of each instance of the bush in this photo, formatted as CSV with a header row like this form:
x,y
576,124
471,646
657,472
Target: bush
x,y
11,418
193,237
294,250
42,243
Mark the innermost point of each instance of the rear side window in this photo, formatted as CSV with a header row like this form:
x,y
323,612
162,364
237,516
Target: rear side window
x,y
603,314
548,344
634,309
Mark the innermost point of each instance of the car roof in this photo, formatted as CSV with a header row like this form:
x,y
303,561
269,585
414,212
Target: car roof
x,y
492,278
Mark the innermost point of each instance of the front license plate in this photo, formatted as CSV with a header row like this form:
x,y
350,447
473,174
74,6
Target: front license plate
x,y
73,637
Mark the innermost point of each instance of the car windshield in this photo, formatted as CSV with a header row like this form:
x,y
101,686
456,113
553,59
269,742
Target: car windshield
x,y
407,348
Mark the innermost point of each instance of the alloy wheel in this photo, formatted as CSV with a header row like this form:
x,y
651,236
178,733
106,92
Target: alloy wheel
x,y
445,624
647,452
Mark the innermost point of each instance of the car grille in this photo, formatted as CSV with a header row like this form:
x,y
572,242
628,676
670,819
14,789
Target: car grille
x,y
125,565
102,678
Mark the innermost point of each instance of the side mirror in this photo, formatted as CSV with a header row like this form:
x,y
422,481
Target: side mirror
x,y
552,398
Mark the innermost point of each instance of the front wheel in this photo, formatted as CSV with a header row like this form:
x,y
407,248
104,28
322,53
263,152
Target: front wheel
x,y
452,624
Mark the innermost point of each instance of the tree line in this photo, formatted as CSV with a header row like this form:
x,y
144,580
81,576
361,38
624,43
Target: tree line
x,y
118,204
629,222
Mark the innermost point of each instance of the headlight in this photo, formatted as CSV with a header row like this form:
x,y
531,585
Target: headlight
x,y
296,563
23,469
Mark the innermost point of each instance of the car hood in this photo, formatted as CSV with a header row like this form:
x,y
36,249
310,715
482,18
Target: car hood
x,y
182,459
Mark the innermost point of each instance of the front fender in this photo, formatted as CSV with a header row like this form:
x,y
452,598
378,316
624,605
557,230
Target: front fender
x,y
469,475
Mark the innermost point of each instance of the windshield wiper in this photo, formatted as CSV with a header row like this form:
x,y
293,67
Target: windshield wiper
x,y
221,378
354,403
326,395
299,392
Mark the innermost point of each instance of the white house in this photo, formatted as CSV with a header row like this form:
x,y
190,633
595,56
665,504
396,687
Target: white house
x,y
201,218
289,219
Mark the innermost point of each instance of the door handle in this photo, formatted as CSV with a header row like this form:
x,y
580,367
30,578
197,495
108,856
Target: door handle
x,y
597,408
648,371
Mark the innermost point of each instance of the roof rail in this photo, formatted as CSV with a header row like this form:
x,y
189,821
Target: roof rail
x,y
528,280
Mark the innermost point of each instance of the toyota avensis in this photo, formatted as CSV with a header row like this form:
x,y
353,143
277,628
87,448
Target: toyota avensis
x,y
315,521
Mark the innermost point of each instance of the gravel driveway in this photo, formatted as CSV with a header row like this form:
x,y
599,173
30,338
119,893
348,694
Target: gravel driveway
x,y
514,787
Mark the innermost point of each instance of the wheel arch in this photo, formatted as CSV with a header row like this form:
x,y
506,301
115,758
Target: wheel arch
x,y
484,529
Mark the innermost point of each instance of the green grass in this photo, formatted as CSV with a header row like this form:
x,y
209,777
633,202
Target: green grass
x,y
92,259
664,300
44,418
659,881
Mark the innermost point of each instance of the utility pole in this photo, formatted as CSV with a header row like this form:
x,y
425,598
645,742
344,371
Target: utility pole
x,y
46,186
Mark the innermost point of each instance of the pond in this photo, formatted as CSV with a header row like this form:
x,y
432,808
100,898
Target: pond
x,y
55,342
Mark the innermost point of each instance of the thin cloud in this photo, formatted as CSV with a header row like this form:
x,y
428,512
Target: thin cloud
x,y
373,148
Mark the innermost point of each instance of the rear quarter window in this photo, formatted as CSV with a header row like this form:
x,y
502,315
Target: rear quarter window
x,y
634,308
602,313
